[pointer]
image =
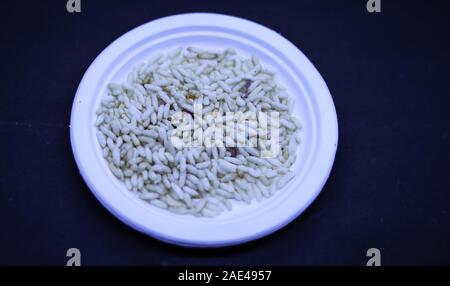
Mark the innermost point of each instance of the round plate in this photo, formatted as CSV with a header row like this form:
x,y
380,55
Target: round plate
x,y
314,107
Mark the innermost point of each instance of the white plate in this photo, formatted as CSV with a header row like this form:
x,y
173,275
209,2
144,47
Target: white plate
x,y
314,107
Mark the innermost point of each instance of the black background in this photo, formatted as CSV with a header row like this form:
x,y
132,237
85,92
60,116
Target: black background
x,y
389,188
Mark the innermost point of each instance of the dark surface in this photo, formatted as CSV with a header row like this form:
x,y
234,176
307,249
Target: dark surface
x,y
389,188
